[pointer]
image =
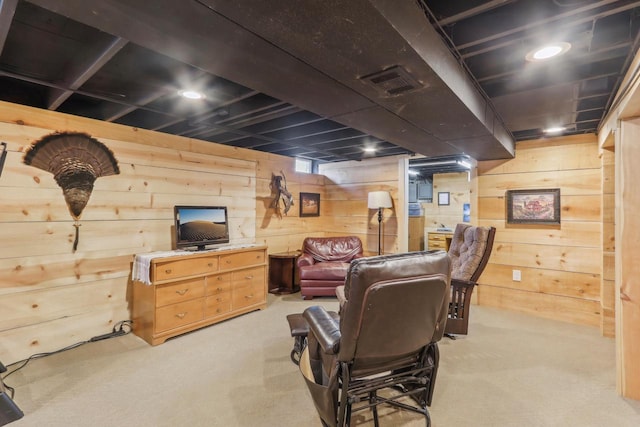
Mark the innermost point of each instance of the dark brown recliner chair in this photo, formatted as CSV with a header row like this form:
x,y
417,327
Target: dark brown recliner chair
x,y
469,252
324,262
386,337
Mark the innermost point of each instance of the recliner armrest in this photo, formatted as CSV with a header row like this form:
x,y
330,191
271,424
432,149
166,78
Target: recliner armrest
x,y
324,327
305,259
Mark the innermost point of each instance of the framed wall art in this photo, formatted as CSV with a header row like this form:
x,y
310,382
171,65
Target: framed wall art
x,y
533,206
309,204
443,198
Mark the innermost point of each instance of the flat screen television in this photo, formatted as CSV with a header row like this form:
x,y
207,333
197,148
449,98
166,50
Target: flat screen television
x,y
200,226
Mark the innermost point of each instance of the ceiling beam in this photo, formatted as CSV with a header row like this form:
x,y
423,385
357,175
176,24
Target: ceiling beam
x,y
7,10
484,7
85,72
560,19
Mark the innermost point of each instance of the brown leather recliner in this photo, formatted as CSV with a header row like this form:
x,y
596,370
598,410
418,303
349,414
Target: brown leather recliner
x,y
324,262
386,337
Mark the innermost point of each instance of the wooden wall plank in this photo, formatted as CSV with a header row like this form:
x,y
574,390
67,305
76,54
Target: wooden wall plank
x,y
566,309
541,155
573,208
583,234
31,307
552,282
20,343
571,182
565,258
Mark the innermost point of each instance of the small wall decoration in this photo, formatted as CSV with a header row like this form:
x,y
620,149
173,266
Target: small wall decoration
x,y
309,204
443,198
279,186
466,212
76,160
533,206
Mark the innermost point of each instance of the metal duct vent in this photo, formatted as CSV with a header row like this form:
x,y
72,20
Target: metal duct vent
x,y
392,81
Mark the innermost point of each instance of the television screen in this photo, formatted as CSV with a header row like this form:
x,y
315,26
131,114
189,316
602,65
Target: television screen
x,y
199,226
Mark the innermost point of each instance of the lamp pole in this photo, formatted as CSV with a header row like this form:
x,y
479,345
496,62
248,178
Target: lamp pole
x,y
379,200
379,230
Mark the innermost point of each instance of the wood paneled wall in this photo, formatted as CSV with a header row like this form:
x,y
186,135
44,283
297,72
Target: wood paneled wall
x,y
52,297
458,186
347,188
560,265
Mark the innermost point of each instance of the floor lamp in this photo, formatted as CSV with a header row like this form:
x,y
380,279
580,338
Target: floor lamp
x,y
379,200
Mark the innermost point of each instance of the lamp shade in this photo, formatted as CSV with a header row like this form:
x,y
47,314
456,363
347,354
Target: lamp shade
x,y
379,199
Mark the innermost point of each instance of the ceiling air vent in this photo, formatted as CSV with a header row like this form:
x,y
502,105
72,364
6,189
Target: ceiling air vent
x,y
392,81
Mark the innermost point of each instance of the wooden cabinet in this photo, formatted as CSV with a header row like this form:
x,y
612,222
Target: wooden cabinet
x,y
190,291
439,240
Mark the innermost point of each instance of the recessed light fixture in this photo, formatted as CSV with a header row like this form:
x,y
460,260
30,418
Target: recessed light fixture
x,y
369,150
554,129
191,94
548,51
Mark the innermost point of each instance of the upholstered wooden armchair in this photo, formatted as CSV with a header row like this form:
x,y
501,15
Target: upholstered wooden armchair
x,y
469,252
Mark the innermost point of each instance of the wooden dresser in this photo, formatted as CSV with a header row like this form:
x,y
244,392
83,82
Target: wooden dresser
x,y
439,240
188,292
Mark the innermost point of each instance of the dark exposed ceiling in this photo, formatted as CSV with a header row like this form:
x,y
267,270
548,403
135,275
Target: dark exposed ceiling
x,y
323,79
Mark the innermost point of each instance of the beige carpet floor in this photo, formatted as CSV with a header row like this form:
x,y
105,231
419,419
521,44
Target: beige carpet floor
x,y
512,370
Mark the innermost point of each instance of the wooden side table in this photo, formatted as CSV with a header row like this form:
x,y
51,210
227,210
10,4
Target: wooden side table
x,y
283,273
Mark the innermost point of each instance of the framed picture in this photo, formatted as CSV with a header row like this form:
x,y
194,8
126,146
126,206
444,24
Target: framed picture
x,y
533,206
309,204
443,198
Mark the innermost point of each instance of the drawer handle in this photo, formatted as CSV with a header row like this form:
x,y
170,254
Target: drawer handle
x,y
228,261
181,315
248,296
182,292
168,271
219,289
249,277
219,277
219,299
218,310
210,264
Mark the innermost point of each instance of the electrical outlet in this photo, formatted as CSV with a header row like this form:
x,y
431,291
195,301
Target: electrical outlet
x,y
517,276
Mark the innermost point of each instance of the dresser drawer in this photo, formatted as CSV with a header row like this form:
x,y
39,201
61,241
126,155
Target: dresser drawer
x,y
247,276
217,305
183,290
437,237
176,315
246,295
218,284
437,245
241,259
177,268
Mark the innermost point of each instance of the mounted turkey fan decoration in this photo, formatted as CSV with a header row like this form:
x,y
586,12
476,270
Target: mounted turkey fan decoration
x,y
76,160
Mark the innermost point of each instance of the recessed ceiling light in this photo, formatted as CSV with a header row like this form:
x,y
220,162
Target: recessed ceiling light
x,y
548,51
555,129
191,94
369,150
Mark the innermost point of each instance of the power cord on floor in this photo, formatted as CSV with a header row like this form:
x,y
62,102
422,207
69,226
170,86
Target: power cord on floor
x,y
119,329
